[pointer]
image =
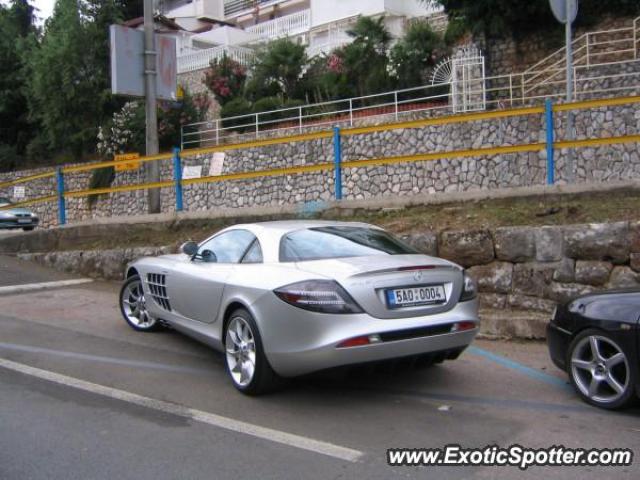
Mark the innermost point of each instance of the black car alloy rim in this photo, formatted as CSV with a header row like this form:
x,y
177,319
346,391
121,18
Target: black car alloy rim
x,y
600,369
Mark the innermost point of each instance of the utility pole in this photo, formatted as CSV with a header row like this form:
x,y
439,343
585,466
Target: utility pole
x,y
152,168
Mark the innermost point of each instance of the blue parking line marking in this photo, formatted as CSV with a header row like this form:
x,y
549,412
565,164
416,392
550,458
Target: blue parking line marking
x,y
518,367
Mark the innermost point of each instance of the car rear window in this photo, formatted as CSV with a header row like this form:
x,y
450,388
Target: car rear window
x,y
339,242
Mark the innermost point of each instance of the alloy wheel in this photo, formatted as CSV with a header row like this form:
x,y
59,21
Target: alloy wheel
x,y
134,306
600,369
241,351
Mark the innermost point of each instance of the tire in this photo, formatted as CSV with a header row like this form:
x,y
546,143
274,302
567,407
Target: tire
x,y
601,371
28,229
245,360
133,306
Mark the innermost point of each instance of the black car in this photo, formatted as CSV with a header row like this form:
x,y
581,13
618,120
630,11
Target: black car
x,y
594,338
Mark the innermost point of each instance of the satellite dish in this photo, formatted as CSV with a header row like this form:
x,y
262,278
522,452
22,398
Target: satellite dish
x,y
563,9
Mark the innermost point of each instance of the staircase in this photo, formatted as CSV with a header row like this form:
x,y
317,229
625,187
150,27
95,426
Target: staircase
x,y
605,47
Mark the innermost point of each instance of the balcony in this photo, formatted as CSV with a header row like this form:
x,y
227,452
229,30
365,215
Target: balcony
x,y
289,25
232,7
201,59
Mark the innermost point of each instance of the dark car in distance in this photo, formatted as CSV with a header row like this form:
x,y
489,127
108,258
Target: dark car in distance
x,y
595,339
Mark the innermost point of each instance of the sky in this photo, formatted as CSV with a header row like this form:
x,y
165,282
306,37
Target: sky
x,y
45,8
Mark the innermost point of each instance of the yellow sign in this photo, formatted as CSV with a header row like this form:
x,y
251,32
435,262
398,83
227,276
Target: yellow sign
x,y
179,93
131,160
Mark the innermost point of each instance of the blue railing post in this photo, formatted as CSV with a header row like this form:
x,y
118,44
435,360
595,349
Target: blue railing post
x,y
62,212
337,157
177,177
548,115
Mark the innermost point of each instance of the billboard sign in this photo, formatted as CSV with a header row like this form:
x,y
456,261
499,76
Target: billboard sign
x,y
127,63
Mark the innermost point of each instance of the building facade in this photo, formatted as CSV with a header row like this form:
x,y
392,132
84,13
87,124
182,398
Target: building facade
x,y
212,28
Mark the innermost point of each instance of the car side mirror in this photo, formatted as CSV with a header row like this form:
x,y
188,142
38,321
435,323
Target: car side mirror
x,y
189,248
209,257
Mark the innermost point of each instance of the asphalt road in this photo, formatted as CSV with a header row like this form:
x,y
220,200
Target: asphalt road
x,y
173,399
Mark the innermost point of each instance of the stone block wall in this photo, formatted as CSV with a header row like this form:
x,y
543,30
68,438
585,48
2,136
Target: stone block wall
x,y
534,268
594,164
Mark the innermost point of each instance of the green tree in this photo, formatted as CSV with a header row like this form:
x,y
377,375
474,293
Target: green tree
x,y
68,83
278,71
413,55
365,58
16,24
499,18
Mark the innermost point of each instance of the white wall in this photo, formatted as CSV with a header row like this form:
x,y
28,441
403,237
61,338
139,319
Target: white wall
x,y
324,11
408,8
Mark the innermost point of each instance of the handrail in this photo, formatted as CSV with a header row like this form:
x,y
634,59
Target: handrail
x,y
28,178
355,163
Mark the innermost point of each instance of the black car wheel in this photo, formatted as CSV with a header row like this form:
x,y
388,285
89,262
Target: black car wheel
x,y
246,362
601,370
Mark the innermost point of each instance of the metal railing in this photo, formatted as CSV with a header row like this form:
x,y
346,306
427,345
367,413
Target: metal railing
x,y
232,7
592,48
499,92
200,59
342,169
288,25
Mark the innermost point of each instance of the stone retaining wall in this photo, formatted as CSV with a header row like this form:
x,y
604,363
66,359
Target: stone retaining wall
x,y
601,164
533,268
522,268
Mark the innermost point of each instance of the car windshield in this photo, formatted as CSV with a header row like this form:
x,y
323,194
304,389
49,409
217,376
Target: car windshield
x,y
339,242
5,201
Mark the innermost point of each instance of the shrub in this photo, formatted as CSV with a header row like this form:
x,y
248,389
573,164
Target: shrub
x,y
225,79
236,107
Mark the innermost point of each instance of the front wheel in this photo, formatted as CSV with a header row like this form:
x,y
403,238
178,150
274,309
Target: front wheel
x,y
133,306
601,370
246,362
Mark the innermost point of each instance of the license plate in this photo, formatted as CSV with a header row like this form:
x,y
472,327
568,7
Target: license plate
x,y
24,220
414,296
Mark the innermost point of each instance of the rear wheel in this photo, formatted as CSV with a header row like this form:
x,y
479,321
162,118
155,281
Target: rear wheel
x,y
246,362
133,306
601,370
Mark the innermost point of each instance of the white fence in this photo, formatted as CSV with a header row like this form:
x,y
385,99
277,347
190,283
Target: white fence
x,y
200,59
497,92
606,63
289,25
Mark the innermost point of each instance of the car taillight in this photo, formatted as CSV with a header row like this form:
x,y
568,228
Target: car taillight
x,y
324,296
469,288
462,326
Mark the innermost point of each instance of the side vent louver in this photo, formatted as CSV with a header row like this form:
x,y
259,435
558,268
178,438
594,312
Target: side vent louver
x,y
157,287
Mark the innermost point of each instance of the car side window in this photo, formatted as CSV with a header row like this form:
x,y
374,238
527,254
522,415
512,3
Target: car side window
x,y
228,247
254,254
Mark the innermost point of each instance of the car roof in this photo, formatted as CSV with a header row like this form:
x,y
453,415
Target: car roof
x,y
284,226
270,233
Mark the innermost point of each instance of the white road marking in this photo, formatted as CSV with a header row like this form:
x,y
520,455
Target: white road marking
x,y
32,287
102,359
276,436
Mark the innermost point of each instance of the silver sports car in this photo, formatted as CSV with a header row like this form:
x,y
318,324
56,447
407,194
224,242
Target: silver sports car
x,y
282,299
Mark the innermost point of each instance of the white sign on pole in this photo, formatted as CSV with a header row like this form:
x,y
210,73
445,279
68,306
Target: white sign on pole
x,y
217,164
127,63
19,192
191,171
561,7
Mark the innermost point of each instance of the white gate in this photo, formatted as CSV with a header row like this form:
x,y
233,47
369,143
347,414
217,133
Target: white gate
x,y
468,92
